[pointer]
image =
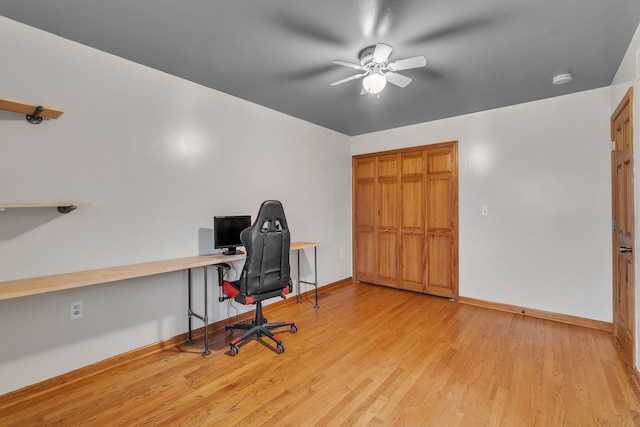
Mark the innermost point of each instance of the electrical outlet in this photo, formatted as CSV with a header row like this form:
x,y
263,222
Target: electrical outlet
x,y
76,310
341,253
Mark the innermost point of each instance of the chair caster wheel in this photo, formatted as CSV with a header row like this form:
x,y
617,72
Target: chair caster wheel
x,y
280,348
293,329
228,331
233,349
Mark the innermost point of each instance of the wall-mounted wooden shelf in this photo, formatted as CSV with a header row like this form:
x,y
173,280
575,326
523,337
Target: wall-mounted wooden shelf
x,y
34,112
63,207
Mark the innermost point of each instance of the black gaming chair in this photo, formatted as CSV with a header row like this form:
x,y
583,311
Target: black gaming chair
x,y
266,273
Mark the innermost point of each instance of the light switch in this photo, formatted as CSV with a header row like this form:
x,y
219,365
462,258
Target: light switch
x,y
638,64
485,211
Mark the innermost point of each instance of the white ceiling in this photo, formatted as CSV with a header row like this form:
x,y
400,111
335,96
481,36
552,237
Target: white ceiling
x,y
481,54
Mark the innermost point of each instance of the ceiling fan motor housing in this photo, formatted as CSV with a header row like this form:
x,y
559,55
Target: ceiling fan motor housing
x,y
366,55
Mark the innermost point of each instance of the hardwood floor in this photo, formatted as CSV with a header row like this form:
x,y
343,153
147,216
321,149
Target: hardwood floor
x,y
369,356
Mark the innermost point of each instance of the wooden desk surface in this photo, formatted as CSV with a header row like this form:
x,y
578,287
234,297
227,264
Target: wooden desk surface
x,y
303,245
59,282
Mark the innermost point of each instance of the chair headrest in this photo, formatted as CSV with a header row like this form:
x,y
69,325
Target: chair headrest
x,y
271,217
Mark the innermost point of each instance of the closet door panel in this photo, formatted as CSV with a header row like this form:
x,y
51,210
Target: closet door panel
x,y
364,238
388,219
388,206
440,265
439,202
440,161
387,263
413,262
365,256
412,219
442,220
412,208
412,270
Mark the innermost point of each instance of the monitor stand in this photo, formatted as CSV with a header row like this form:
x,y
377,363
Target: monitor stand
x,y
232,251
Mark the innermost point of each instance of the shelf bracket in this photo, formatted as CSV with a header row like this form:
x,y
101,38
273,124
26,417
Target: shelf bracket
x,y
66,209
35,118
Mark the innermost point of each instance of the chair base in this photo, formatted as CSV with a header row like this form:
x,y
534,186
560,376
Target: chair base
x,y
258,327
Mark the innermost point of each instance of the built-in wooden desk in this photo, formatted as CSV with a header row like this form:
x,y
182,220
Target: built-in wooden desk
x,y
59,282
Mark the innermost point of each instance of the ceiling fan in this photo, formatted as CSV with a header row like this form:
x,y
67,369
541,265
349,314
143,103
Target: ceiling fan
x,y
377,70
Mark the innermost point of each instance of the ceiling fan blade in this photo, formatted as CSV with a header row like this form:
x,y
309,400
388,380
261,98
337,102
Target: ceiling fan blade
x,y
397,79
309,73
381,53
303,27
347,64
457,29
356,76
408,63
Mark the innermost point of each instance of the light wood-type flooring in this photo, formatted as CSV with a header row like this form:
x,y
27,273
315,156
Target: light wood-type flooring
x,y
369,356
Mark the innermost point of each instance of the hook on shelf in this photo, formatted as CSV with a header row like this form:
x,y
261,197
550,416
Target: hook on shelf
x,y
35,118
66,209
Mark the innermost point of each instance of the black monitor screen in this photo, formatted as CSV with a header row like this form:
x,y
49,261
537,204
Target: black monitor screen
x,y
226,231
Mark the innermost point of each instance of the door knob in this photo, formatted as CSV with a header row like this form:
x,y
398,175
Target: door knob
x,y
625,250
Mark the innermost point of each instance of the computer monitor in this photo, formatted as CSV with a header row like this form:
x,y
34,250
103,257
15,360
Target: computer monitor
x,y
226,232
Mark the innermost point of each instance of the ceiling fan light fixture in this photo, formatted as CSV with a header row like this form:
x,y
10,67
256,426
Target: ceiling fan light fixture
x,y
374,83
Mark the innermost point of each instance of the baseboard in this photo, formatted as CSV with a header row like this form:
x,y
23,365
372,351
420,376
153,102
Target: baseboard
x,y
34,390
310,294
547,315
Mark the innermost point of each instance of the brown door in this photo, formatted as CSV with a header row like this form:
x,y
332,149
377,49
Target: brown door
x,y
623,234
365,257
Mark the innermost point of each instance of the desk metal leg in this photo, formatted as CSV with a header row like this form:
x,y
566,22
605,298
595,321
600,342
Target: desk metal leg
x,y
315,272
204,318
298,281
206,314
190,311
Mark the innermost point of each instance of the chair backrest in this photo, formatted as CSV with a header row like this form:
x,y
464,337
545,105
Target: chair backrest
x,y
267,244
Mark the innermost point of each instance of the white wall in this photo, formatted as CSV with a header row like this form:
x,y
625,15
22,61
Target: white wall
x,y
625,78
158,157
543,170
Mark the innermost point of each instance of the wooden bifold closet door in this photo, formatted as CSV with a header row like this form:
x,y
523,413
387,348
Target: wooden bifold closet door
x,y
405,219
